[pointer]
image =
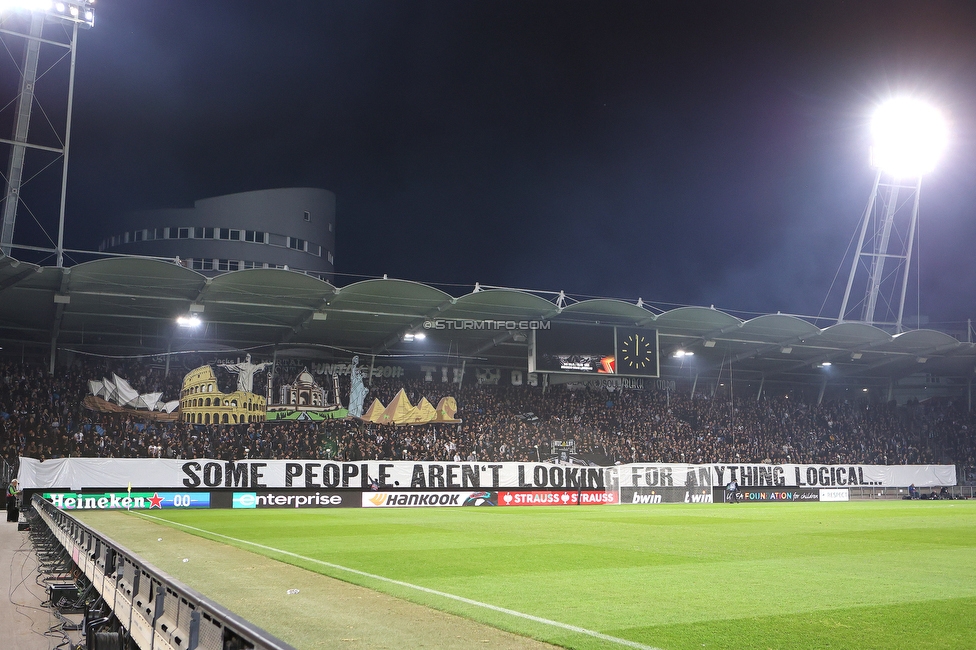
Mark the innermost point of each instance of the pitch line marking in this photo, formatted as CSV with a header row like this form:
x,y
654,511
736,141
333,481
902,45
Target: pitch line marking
x,y
434,592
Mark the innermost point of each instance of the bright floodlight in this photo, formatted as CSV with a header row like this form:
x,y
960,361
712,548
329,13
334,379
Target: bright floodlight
x,y
69,11
26,5
188,321
909,137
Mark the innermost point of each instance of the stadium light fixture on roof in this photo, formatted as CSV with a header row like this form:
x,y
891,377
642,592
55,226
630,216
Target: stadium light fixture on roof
x,y
189,321
683,353
908,137
81,12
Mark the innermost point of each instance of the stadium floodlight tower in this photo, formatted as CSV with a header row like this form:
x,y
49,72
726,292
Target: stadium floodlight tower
x,y
908,137
25,19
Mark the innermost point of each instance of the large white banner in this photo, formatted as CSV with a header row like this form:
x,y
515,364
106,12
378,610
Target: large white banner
x,y
790,475
80,473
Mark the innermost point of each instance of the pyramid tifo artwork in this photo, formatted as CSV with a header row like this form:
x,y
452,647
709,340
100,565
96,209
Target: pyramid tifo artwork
x,y
401,412
374,412
425,411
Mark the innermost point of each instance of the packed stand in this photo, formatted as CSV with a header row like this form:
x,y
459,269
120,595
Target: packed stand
x,y
42,416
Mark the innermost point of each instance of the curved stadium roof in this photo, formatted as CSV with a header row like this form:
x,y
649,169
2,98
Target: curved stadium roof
x,y
128,306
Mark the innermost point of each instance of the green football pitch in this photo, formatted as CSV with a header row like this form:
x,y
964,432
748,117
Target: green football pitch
x,y
830,575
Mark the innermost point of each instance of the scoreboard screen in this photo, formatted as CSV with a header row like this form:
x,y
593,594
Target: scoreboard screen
x,y
594,350
580,349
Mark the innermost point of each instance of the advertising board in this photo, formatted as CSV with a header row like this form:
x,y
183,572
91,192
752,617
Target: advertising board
x,y
290,499
127,500
772,495
552,498
651,496
835,494
428,499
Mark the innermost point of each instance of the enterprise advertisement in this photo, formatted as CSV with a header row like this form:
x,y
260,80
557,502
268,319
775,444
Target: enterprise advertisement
x,y
293,499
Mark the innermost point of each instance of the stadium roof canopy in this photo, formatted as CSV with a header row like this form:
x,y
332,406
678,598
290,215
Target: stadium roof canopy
x,y
128,307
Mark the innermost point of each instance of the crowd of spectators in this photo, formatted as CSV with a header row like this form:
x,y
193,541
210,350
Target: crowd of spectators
x,y
42,416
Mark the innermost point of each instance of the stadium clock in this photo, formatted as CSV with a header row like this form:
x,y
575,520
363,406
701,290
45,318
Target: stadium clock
x,y
637,352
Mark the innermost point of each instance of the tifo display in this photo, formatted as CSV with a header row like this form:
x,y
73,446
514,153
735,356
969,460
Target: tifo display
x,y
505,435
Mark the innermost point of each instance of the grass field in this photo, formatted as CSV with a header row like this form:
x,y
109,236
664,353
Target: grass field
x,y
846,575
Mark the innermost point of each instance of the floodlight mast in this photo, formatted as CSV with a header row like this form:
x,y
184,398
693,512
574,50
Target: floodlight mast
x,y
72,13
908,138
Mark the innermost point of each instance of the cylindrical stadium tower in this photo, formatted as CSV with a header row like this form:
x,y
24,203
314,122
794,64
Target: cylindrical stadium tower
x,y
291,228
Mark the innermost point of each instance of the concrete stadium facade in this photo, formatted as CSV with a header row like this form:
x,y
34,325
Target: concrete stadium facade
x,y
284,228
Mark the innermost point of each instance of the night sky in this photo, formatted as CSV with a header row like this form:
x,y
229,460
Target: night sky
x,y
683,152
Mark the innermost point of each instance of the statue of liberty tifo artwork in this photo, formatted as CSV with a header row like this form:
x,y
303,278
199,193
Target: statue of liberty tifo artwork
x,y
358,390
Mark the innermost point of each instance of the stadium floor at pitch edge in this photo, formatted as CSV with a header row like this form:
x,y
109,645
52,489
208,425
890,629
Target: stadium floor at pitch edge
x,y
24,621
347,615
